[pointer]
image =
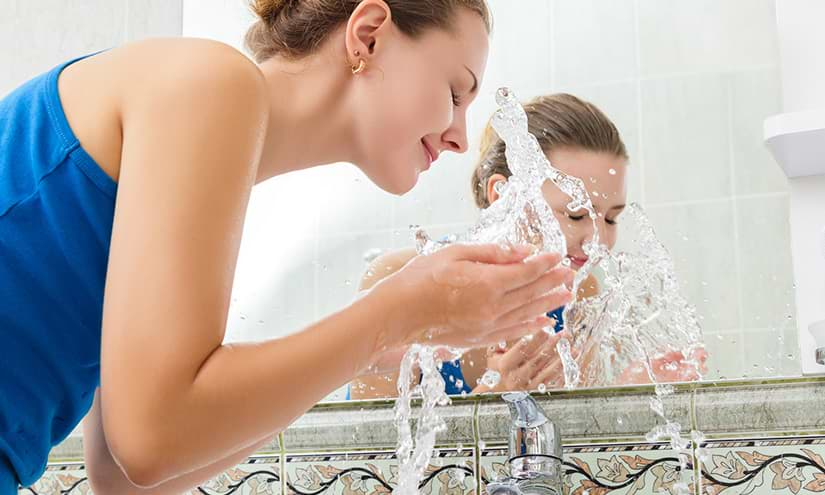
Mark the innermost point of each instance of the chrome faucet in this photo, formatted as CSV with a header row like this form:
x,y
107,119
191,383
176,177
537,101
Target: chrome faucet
x,y
535,456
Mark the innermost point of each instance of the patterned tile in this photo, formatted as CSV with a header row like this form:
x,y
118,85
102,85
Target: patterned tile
x,y
257,476
792,465
617,469
68,478
376,473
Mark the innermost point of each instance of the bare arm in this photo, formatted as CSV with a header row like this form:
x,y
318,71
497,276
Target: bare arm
x,y
105,476
378,386
174,399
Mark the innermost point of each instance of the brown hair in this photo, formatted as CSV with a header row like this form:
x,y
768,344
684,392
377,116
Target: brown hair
x,y
558,121
296,28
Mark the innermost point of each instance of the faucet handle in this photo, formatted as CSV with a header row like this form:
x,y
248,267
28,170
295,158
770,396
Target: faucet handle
x,y
524,411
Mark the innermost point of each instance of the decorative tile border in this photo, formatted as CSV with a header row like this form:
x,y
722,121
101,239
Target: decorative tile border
x,y
452,472
617,469
763,467
69,479
258,475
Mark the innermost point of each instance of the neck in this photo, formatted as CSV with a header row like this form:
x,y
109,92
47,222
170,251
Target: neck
x,y
311,121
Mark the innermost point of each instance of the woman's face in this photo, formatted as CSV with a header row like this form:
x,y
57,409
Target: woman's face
x,y
412,99
604,176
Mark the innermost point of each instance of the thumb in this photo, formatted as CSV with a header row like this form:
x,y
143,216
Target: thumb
x,y
491,253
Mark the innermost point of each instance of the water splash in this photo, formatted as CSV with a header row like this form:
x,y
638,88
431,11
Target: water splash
x,y
414,455
638,311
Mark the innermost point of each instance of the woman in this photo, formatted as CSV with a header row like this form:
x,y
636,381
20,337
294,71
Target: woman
x,y
130,170
581,141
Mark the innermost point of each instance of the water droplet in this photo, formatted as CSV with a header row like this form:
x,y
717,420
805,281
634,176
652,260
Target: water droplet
x,y
459,383
243,316
619,420
542,388
502,345
612,171
491,378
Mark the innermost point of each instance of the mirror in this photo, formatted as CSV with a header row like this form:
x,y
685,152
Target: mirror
x,y
687,85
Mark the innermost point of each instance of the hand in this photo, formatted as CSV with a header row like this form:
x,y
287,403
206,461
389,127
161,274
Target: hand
x,y
532,361
467,296
673,366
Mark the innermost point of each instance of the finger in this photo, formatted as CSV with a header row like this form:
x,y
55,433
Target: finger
x,y
536,364
523,350
559,276
489,253
529,310
516,275
515,331
552,373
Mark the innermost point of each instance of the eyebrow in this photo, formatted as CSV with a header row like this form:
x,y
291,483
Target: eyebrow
x,y
475,80
618,207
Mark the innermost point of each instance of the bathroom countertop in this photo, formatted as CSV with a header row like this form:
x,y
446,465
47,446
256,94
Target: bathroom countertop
x,y
770,407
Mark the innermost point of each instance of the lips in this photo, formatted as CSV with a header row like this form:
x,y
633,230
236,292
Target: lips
x,y
579,261
432,155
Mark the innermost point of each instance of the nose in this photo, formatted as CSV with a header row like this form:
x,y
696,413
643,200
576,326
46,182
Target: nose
x,y
587,231
455,137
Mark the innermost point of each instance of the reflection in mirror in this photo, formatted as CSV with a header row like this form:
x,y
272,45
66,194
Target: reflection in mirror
x,y
690,119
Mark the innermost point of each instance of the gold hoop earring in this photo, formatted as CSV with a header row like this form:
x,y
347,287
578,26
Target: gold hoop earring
x,y
359,68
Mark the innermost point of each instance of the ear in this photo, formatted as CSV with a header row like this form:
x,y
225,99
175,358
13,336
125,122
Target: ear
x,y
492,195
366,28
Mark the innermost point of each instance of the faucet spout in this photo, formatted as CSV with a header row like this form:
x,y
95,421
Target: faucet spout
x,y
534,450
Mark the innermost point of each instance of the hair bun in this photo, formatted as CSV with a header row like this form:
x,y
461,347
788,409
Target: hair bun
x,y
268,10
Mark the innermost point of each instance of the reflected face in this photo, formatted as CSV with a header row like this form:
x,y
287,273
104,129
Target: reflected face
x,y
604,176
414,100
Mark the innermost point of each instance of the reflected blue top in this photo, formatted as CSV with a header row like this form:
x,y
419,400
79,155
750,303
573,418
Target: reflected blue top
x,y
454,382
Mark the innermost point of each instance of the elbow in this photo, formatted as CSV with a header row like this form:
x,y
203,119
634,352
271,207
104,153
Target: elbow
x,y
140,457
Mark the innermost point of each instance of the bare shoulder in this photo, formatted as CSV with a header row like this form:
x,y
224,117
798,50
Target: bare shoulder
x,y
158,82
385,265
191,68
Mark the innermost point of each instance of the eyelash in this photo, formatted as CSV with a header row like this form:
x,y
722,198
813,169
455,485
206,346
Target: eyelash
x,y
576,219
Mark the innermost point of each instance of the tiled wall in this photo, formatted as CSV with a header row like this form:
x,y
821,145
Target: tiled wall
x,y
687,82
757,439
770,466
36,36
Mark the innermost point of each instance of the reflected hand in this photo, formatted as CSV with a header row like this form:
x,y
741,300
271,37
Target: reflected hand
x,y
532,361
673,366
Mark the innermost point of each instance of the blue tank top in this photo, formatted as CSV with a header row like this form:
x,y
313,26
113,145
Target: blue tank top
x,y
454,382
56,213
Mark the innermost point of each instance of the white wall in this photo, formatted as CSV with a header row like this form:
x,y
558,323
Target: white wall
x,y
35,36
687,83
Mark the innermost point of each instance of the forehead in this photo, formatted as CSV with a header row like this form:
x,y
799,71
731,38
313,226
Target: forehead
x,y
603,175
466,43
